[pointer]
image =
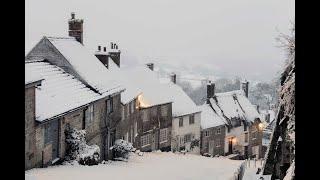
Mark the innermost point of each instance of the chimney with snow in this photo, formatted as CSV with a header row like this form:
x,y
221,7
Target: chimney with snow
x,y
173,78
150,66
102,56
244,85
114,54
210,90
76,28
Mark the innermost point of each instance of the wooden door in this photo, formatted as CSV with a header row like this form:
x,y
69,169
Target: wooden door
x,y
55,138
211,147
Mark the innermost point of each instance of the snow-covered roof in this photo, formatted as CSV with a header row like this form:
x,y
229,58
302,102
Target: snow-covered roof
x,y
31,78
86,64
182,103
141,80
229,105
209,118
59,92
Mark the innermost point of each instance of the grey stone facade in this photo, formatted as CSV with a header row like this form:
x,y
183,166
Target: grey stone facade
x,y
213,140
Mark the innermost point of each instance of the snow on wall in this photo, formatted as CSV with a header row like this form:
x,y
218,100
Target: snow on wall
x,y
59,91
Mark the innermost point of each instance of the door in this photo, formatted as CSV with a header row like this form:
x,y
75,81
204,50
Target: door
x,y
55,138
153,141
211,147
230,146
246,151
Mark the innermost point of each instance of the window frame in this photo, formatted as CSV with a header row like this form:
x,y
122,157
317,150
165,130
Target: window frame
x,y
191,119
163,135
218,131
181,122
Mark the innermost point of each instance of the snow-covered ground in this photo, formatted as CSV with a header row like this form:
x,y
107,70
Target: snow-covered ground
x,y
155,166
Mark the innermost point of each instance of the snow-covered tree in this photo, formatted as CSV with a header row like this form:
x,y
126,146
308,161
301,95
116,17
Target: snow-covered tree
x,y
281,152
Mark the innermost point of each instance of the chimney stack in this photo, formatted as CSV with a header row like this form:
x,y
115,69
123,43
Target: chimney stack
x,y
245,87
210,90
114,54
150,66
102,56
173,77
76,28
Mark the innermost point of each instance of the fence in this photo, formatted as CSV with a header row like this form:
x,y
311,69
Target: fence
x,y
248,163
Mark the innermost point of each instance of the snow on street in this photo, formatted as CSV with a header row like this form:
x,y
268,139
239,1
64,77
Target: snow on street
x,y
155,166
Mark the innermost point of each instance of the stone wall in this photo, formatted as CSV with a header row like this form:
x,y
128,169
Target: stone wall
x,y
215,137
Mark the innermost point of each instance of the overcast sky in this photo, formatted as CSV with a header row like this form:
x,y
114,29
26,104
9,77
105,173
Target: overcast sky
x,y
227,37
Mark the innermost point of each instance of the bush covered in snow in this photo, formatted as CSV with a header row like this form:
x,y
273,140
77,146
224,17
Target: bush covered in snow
x,y
122,148
194,143
78,150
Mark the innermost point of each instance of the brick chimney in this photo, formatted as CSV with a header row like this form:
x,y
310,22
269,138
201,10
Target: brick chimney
x,y
173,78
244,85
102,56
76,28
150,66
210,90
114,53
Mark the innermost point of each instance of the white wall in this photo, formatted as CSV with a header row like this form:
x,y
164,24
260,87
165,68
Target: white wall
x,y
187,129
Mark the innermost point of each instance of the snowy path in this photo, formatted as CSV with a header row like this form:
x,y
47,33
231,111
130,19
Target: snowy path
x,y
155,166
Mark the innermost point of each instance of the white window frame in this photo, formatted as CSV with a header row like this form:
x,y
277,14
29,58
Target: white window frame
x,y
145,140
163,137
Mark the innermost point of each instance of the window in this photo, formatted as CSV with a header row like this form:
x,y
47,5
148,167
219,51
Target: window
x,y
244,126
163,135
88,115
164,110
181,122
218,131
191,119
47,139
206,133
246,137
218,143
187,138
110,105
145,140
145,116
132,107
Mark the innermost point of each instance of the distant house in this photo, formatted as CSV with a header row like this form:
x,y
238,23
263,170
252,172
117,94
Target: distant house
x,y
186,117
61,100
242,131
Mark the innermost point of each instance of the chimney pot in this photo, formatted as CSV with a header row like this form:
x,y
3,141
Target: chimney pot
x,y
73,15
150,66
210,90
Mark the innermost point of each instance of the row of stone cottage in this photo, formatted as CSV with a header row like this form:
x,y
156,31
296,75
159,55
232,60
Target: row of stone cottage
x,y
67,85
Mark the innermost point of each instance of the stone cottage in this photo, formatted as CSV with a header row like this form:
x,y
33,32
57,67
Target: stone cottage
x,y
242,129
186,117
61,100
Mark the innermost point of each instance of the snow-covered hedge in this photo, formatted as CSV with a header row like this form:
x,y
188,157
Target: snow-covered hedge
x,y
122,148
78,150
